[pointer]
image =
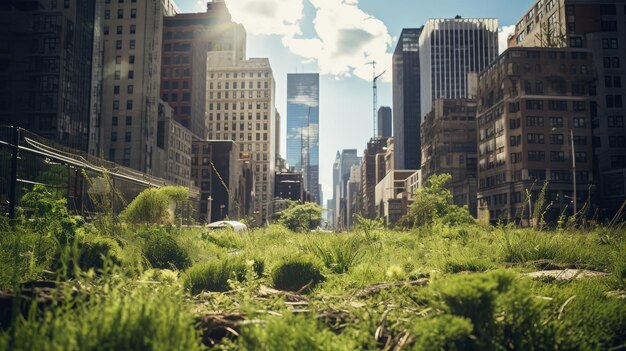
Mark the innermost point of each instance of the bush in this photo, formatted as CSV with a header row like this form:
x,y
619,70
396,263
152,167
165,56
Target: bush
x,y
443,333
301,217
213,275
94,252
296,273
151,206
163,252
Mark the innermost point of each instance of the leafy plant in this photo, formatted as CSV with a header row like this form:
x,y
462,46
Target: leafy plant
x,y
151,206
214,274
338,254
162,251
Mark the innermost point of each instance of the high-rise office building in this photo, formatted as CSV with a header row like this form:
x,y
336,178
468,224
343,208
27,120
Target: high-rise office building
x,y
241,107
132,33
303,128
406,100
45,68
598,26
534,119
384,122
187,39
449,49
347,159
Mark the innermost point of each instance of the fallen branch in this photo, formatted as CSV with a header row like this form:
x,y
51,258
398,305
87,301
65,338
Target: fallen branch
x,y
376,288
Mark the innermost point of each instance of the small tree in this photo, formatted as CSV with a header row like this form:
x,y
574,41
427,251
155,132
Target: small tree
x,y
301,217
152,206
434,202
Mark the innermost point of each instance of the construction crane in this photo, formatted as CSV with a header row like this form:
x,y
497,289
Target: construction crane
x,y
375,93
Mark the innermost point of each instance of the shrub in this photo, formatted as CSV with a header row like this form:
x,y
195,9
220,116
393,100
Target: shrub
x,y
163,252
94,252
443,333
213,275
301,217
151,206
296,273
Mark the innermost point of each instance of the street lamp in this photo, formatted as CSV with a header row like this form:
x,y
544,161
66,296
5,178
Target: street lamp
x,y
573,155
208,210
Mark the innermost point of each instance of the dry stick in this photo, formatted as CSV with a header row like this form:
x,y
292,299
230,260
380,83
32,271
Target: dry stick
x,y
565,304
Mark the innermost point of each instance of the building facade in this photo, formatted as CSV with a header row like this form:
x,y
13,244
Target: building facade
x,y
225,181
173,148
598,26
187,39
534,125
46,66
346,159
241,108
449,146
303,128
407,100
132,34
372,172
384,122
449,49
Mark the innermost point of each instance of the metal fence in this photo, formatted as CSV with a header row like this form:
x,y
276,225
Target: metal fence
x,y
86,181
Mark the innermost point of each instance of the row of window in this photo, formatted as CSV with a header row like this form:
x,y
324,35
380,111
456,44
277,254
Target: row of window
x,y
555,122
243,85
242,136
218,106
118,1
554,105
174,84
132,29
242,126
235,75
174,97
120,13
176,60
129,105
119,44
127,137
555,156
118,75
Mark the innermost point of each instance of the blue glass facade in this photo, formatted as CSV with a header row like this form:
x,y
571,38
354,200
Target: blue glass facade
x,y
303,129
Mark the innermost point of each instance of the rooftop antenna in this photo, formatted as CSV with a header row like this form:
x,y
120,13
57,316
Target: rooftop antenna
x,y
375,93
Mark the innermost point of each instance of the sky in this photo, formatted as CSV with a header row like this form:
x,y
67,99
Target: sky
x,y
337,39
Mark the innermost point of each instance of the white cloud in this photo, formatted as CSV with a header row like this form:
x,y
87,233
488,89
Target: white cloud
x,y
503,36
268,17
346,38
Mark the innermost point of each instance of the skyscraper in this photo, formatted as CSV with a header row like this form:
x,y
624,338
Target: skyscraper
x,y
449,49
599,27
131,64
187,39
247,117
384,121
303,128
406,100
45,68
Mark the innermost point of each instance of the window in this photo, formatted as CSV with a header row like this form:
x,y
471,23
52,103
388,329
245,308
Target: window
x,y
581,157
129,120
534,105
105,30
609,44
613,101
616,121
129,89
617,141
107,14
578,106
536,156
186,97
580,140
534,138
118,44
113,136
576,42
127,137
579,122
120,13
609,26
556,139
131,59
114,121
560,176
557,105
119,29
117,75
116,89
533,121
132,43
133,28
116,105
133,13
556,122
608,9
557,156
131,74
129,104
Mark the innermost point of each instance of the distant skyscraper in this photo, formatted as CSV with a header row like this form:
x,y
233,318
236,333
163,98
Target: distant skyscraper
x,y
406,100
384,121
449,49
303,128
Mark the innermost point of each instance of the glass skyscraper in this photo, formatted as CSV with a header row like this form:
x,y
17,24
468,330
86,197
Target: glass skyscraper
x,y
303,129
